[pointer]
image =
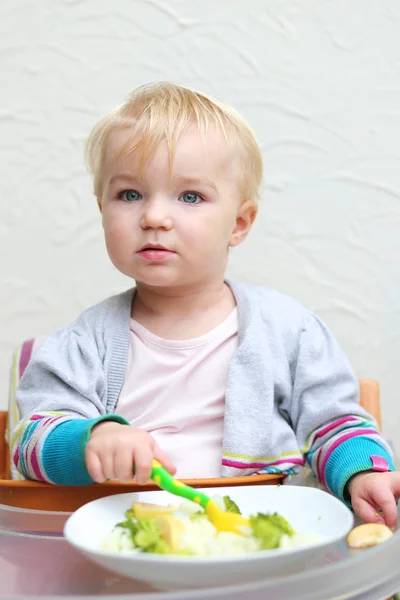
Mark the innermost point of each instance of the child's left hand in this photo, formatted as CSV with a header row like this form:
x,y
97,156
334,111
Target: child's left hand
x,y
372,492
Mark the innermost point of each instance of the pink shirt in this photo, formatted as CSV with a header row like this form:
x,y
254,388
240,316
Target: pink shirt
x,y
175,390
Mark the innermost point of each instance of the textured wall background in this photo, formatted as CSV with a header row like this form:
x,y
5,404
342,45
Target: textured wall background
x,y
319,81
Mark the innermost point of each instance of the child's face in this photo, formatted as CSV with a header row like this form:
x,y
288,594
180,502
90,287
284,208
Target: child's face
x,y
194,210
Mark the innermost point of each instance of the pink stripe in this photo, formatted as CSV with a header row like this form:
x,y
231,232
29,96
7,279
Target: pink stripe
x,y
318,460
337,443
30,442
35,465
51,420
255,465
295,461
33,462
331,426
26,352
47,418
335,424
36,417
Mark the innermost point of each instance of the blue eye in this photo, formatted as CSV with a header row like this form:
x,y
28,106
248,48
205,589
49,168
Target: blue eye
x,y
191,198
129,195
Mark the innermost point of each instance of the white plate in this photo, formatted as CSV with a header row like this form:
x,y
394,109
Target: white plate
x,y
307,509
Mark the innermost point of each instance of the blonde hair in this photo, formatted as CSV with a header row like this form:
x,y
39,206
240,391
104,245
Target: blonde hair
x,y
162,112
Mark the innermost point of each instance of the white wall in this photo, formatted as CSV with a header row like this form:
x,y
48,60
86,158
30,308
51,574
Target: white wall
x,y
320,83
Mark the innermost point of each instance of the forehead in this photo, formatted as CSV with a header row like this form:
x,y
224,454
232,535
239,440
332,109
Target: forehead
x,y
194,152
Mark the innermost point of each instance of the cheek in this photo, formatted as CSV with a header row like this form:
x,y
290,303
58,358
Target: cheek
x,y
200,238
208,238
117,228
115,218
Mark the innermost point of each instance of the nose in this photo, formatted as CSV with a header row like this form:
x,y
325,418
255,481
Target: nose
x,y
156,214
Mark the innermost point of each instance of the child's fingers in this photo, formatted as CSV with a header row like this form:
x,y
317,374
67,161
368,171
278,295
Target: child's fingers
x,y
107,457
385,501
143,463
164,459
94,467
395,484
123,464
366,511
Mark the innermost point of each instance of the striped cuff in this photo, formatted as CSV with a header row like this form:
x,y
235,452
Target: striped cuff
x,y
63,454
349,458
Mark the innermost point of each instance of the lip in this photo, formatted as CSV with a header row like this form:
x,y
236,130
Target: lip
x,y
153,247
155,253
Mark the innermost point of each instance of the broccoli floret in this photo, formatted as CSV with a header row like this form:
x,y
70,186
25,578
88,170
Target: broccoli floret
x,y
269,529
196,516
159,547
145,534
129,523
129,516
282,523
230,505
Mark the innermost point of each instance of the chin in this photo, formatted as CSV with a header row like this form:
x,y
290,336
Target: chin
x,y
156,276
155,280
165,283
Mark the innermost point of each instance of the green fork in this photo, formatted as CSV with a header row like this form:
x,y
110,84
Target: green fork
x,y
222,520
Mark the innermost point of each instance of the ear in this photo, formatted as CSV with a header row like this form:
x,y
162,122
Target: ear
x,y
244,220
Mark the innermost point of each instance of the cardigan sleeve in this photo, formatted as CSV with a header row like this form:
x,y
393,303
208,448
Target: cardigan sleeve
x,y
60,398
336,435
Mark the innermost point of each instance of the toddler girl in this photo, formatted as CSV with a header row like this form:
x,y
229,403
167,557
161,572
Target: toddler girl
x,y
211,377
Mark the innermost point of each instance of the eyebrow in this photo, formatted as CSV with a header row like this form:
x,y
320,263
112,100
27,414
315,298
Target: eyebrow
x,y
185,180
125,177
196,181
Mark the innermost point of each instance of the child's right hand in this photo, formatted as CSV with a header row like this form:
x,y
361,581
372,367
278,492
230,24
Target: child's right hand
x,y
114,449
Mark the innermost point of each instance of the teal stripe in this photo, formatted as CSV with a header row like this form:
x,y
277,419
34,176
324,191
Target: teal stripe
x,y
27,431
27,434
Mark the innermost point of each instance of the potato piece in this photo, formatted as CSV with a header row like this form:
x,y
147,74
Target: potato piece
x,y
145,510
171,530
369,534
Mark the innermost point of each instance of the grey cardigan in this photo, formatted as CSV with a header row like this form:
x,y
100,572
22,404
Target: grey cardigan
x,y
286,381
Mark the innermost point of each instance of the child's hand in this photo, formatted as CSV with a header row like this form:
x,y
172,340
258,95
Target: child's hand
x,y
372,492
114,449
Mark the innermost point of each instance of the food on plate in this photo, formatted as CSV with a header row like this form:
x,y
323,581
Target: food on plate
x,y
185,530
368,535
145,510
